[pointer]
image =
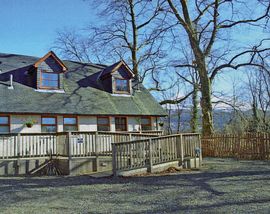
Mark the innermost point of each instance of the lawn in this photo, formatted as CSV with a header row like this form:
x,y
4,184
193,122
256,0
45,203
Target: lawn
x,y
222,186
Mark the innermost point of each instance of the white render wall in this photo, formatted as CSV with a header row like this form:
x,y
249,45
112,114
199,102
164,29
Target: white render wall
x,y
60,122
17,124
133,124
86,123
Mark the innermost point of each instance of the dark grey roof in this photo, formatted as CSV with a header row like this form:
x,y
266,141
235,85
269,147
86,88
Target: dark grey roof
x,y
79,97
109,69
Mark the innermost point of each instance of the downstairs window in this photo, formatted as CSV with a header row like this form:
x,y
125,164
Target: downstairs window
x,y
146,123
48,124
4,124
120,123
103,124
70,124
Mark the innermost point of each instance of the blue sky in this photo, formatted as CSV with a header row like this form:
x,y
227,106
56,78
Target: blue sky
x,y
29,26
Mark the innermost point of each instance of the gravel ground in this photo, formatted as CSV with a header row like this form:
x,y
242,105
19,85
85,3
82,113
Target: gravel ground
x,y
222,186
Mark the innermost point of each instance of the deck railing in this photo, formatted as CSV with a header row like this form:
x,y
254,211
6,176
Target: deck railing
x,y
92,143
27,145
152,151
74,144
152,132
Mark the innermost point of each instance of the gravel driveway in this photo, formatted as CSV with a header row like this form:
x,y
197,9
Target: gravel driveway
x,y
222,186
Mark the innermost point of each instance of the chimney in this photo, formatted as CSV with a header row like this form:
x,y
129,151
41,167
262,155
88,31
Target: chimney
x,y
11,82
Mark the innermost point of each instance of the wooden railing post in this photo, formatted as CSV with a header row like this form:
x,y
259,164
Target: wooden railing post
x,y
96,143
114,159
69,145
18,142
150,156
97,151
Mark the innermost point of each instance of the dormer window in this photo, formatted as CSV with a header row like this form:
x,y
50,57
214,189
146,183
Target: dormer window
x,y
121,85
117,78
49,80
50,71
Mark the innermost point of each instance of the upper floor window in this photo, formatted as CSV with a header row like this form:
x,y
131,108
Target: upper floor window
x,y
49,80
122,85
70,124
4,124
48,124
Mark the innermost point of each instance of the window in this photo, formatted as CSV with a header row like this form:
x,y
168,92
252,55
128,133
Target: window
x,y
4,124
121,85
121,124
70,124
103,124
49,80
48,124
146,123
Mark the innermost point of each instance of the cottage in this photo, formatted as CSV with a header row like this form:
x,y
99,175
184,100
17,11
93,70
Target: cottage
x,y
49,95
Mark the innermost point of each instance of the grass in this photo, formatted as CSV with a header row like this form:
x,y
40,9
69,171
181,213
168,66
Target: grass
x,y
222,186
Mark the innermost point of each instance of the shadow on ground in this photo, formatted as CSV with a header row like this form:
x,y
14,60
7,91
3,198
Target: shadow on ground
x,y
195,192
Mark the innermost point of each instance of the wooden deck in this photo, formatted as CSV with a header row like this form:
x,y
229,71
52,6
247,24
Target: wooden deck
x,y
95,151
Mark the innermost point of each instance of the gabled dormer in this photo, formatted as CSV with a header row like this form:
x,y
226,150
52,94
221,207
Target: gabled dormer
x,y
117,78
49,72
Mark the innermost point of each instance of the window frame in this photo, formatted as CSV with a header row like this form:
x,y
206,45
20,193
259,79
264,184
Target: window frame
x,y
41,79
5,125
146,125
75,125
106,125
121,79
48,116
126,123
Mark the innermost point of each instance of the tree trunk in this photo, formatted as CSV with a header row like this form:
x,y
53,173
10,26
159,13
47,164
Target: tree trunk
x,y
194,113
134,38
206,105
206,89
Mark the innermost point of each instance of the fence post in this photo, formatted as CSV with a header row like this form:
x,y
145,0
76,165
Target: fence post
x,y
114,159
150,156
130,137
97,151
182,150
200,144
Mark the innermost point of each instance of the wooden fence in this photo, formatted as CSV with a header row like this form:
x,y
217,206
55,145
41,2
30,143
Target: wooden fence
x,y
247,146
152,151
75,144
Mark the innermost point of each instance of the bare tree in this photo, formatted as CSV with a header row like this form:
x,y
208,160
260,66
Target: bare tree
x,y
204,22
131,29
259,91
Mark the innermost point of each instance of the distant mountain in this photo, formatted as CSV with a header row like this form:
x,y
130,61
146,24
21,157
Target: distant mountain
x,y
220,116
